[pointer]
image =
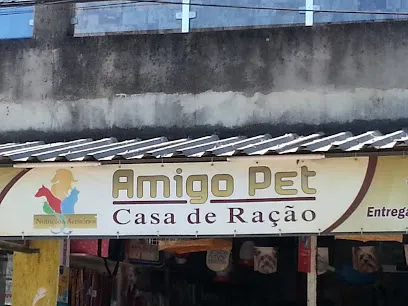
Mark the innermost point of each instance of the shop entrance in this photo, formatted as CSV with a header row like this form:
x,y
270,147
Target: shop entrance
x,y
351,270
271,278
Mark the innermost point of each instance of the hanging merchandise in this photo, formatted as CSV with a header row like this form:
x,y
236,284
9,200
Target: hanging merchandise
x,y
95,247
143,252
128,284
223,276
304,254
89,288
8,277
220,262
76,287
99,291
322,260
65,250
63,286
194,245
181,259
265,259
365,259
246,253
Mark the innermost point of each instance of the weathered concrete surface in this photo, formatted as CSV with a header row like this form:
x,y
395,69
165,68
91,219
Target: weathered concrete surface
x,y
313,76
227,109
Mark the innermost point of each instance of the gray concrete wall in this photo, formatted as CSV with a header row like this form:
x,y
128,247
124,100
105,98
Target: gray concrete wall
x,y
233,80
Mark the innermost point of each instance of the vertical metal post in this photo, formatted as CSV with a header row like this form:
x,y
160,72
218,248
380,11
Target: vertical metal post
x,y
185,16
312,275
309,13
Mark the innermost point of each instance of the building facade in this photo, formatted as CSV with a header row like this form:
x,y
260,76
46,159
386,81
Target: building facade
x,y
124,73
347,76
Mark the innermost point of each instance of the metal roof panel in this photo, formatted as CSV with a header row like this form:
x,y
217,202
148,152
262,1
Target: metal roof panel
x,y
141,152
208,146
171,149
25,154
123,148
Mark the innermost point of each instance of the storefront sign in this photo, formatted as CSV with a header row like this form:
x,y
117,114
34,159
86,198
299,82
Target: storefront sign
x,y
344,195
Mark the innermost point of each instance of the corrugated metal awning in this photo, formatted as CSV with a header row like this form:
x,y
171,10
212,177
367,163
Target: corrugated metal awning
x,y
110,150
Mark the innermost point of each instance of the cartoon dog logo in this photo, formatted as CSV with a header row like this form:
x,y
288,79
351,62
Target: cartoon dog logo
x,y
62,183
61,199
60,205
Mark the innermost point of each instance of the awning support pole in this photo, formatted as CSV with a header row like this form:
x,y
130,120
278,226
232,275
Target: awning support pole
x,y
312,275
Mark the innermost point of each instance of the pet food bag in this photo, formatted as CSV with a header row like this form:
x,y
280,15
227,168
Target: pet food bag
x,y
265,260
220,262
365,259
246,254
